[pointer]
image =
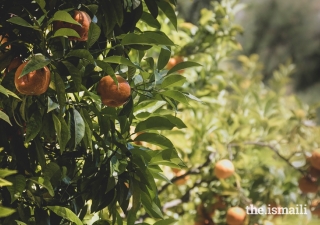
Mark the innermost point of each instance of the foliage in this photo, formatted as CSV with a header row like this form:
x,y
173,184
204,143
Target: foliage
x,y
75,157
80,162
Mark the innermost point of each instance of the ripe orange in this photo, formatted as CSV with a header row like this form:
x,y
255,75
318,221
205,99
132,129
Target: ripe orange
x,y
315,207
174,61
33,83
14,64
315,159
111,94
236,216
81,17
307,186
224,169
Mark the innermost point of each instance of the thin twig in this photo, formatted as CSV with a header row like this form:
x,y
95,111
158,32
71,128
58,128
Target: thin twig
x,y
271,147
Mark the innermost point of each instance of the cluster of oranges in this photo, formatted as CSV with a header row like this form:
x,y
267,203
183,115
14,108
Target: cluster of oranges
x,y
234,215
37,82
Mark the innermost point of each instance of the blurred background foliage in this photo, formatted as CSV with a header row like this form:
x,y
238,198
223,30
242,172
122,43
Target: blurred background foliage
x,y
254,86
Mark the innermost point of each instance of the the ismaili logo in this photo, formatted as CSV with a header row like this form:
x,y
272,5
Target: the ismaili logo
x,y
269,209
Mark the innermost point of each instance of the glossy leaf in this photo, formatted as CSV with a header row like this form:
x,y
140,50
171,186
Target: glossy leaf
x,y
66,214
5,117
183,65
36,62
173,81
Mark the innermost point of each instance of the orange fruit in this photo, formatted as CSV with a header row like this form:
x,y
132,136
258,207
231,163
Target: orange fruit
x,y
223,169
14,64
111,94
307,186
315,159
34,83
81,17
174,61
315,207
236,216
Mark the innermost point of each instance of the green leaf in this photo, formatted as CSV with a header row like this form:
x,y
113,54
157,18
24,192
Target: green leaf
x,y
94,33
66,32
5,117
87,139
5,212
173,81
3,90
21,22
38,61
148,106
102,222
44,182
6,172
166,222
75,74
65,17
118,11
150,206
150,20
51,170
154,123
136,202
4,183
42,4
57,126
152,7
81,53
65,134
176,121
18,185
20,223
79,126
165,54
192,97
7,92
60,89
168,157
119,60
65,213
168,10
51,105
176,95
147,38
40,154
183,65
33,126
105,67
156,139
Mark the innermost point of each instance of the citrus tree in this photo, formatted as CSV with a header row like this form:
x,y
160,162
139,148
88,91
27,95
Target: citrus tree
x,y
78,80
100,123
